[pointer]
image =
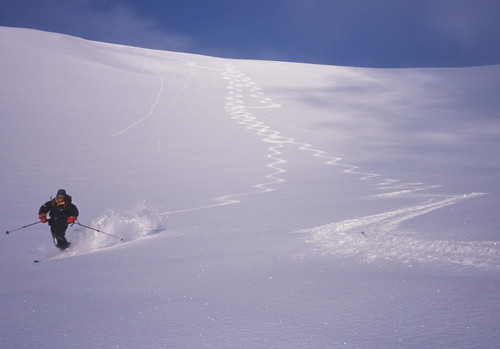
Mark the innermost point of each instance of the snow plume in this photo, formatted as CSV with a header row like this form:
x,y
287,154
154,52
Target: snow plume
x,y
140,222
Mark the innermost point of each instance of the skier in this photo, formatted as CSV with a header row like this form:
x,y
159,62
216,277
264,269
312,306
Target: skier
x,y
61,212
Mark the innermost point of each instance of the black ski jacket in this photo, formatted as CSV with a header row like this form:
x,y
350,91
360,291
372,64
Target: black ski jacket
x,y
59,213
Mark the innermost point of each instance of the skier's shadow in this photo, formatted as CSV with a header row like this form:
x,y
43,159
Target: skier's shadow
x,y
156,231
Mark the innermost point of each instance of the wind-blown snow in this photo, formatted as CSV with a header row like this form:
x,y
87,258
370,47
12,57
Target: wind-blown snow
x,y
261,204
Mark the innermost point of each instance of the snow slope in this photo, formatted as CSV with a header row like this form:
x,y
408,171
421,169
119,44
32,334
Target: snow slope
x,y
262,204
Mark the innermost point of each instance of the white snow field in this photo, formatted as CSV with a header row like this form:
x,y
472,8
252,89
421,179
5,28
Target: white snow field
x,y
262,204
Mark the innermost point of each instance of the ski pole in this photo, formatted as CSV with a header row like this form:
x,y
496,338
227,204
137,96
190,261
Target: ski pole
x,y
99,231
26,226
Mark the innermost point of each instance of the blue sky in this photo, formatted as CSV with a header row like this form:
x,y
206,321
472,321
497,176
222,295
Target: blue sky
x,y
375,33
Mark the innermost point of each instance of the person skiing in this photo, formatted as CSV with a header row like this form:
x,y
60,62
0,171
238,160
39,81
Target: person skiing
x,y
61,213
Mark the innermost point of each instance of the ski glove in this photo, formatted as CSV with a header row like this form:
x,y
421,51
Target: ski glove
x,y
71,219
43,217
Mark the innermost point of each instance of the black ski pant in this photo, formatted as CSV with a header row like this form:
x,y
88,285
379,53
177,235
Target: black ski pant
x,y
58,231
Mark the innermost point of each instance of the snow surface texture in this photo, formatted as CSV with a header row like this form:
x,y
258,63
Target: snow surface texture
x,y
261,204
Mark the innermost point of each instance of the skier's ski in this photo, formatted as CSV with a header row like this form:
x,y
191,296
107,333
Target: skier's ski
x,y
61,255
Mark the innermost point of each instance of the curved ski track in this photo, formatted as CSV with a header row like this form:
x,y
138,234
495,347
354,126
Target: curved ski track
x,y
370,238
153,107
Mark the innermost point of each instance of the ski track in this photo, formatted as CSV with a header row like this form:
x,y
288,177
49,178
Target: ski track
x,y
164,114
377,237
156,68
372,237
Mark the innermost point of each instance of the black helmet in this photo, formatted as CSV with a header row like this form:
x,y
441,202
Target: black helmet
x,y
61,192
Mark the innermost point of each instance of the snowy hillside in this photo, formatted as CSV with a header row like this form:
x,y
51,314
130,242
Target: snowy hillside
x,y
261,204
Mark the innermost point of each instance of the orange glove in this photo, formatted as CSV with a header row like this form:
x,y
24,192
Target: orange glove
x,y
71,219
43,217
